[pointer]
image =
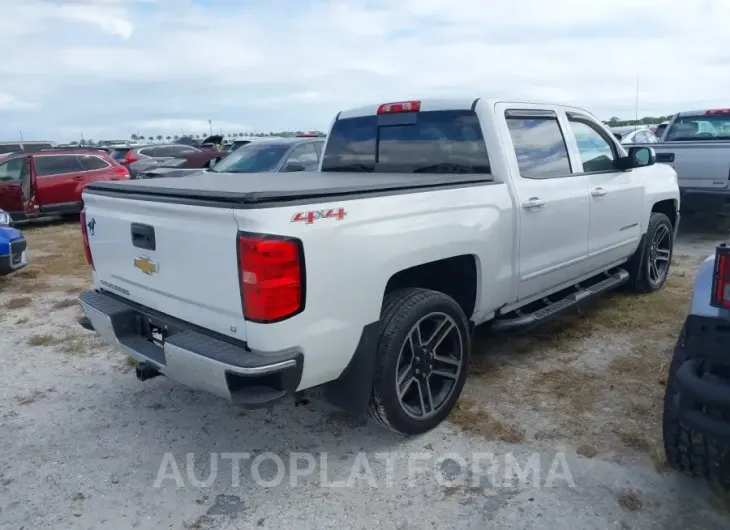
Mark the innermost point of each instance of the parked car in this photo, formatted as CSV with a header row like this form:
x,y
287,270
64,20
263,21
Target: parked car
x,y
51,182
697,145
195,160
26,147
634,135
366,278
130,154
696,420
187,163
13,247
270,155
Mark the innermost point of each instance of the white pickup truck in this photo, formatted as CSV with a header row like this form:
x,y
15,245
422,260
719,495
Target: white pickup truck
x,y
365,279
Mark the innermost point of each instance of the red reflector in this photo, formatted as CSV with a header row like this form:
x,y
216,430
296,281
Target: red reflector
x,y
85,236
401,106
717,111
721,278
271,276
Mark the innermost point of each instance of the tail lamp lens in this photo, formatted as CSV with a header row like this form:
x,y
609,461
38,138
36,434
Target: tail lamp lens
x,y
271,277
85,235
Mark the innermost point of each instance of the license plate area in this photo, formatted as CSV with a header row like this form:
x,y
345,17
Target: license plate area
x,y
153,331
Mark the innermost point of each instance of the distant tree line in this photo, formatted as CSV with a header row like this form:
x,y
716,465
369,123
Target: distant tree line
x,y
646,120
171,139
613,122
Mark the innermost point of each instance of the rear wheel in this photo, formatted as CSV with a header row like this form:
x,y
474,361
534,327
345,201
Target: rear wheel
x,y
422,360
687,450
649,267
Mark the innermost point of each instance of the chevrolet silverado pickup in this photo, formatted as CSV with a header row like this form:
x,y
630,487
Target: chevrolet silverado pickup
x,y
365,279
697,145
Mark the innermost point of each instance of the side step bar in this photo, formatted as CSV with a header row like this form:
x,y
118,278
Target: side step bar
x,y
522,321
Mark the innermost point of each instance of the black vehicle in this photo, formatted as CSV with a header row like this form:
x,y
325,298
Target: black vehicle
x,y
696,421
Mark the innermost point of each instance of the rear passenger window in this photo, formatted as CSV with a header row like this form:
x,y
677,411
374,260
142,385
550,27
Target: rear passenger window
x,y
91,163
596,152
48,165
539,145
10,148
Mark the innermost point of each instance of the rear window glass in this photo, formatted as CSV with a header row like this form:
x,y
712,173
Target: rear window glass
x,y
253,158
91,162
9,148
119,154
439,141
700,128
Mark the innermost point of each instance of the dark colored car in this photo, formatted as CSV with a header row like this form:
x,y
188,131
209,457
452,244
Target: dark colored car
x,y
696,420
186,162
131,154
260,156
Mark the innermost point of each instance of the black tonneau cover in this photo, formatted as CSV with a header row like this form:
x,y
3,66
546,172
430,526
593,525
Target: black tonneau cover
x,y
256,188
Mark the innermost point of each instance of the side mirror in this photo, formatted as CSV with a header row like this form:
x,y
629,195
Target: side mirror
x,y
293,166
638,157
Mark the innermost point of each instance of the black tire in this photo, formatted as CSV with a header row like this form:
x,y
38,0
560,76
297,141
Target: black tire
x,y
401,311
687,450
641,280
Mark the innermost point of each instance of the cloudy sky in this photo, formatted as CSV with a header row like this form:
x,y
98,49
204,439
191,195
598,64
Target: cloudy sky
x,y
110,68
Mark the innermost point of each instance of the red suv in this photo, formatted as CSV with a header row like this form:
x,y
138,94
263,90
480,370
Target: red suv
x,y
51,182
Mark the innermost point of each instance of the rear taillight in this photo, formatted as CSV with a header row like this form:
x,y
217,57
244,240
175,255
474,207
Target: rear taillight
x,y
129,158
721,278
121,171
271,276
85,235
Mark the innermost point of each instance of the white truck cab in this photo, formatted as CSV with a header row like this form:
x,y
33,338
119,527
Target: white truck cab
x,y
367,277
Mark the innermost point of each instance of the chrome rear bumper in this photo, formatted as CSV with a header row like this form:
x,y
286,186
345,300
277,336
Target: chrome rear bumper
x,y
190,356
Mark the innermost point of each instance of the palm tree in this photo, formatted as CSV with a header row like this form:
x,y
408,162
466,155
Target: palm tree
x,y
175,137
133,137
151,138
159,137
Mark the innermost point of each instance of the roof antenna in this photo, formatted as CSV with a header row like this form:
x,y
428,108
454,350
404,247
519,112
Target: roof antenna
x,y
636,120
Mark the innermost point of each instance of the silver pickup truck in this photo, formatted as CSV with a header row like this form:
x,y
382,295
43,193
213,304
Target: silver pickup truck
x,y
697,145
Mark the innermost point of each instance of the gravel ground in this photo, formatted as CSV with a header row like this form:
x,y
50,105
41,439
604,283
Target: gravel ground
x,y
557,429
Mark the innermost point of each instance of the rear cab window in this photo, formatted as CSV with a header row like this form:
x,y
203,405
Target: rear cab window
x,y
713,125
438,141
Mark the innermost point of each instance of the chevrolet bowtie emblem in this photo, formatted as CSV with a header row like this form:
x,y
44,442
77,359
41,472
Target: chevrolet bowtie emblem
x,y
145,265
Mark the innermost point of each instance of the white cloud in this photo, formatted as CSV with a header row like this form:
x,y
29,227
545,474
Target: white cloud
x,y
120,64
10,102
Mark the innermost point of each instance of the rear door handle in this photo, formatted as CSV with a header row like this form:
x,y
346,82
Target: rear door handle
x,y
665,157
598,192
534,203
78,179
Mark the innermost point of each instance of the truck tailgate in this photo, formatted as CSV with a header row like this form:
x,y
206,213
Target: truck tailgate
x,y
177,259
